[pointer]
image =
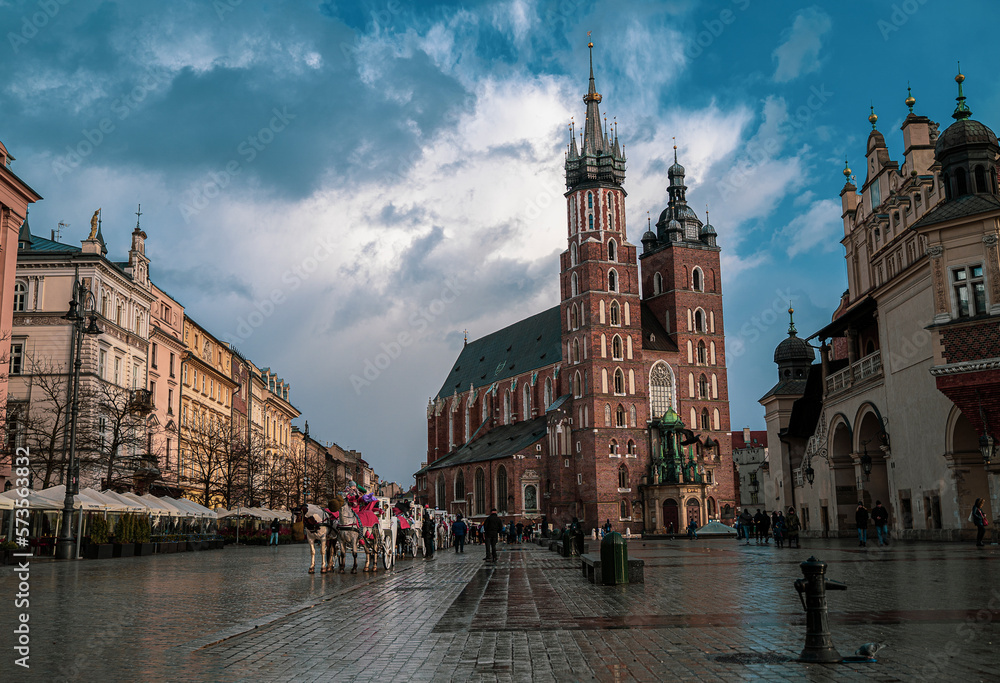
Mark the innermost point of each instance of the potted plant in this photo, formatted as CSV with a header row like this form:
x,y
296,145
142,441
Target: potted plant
x,y
7,548
143,546
124,542
99,548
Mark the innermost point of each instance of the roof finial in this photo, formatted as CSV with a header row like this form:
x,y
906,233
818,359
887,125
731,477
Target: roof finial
x,y
138,213
675,148
707,222
791,321
649,222
847,169
466,342
910,100
873,117
962,110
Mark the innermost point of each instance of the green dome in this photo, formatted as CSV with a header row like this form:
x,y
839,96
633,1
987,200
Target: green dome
x,y
671,419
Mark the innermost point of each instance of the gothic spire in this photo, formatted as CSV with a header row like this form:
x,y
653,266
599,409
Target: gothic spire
x,y
592,136
962,110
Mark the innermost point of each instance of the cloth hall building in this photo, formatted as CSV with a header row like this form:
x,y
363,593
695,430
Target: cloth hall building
x,y
612,405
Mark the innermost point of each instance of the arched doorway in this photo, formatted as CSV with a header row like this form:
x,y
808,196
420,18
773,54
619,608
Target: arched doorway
x,y
966,462
671,518
693,512
875,487
845,486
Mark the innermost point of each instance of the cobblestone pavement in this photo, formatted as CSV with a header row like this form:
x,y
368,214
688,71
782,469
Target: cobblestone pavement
x,y
710,610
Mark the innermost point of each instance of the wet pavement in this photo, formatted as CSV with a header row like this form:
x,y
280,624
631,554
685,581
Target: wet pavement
x,y
710,610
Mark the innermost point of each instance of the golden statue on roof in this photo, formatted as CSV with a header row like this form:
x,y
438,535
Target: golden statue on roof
x,y
93,225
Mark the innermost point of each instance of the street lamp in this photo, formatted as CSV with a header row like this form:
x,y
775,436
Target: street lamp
x,y
305,462
866,464
810,474
988,447
82,307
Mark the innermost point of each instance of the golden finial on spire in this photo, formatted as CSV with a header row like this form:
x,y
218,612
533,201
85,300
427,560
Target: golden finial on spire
x,y
847,169
873,117
910,100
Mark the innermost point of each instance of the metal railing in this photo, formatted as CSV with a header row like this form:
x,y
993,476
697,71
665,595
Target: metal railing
x,y
867,367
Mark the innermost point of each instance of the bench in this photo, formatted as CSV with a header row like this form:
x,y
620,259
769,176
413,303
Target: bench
x,y
590,565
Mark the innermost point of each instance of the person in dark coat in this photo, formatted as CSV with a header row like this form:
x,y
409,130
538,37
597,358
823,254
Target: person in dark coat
x,y
765,528
880,518
275,528
758,521
492,528
428,530
979,519
861,519
459,529
746,524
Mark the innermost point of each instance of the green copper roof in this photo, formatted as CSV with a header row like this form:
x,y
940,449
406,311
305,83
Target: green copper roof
x,y
671,420
526,345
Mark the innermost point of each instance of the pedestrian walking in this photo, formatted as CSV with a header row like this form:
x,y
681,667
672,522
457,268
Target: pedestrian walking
x,y
428,530
978,518
861,520
492,528
793,524
765,529
758,520
780,530
519,536
880,518
275,528
458,530
746,524
692,530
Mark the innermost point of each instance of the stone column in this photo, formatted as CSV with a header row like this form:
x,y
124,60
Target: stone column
x,y
993,270
939,278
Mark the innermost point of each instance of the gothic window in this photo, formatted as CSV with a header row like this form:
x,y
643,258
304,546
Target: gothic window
x,y
526,402
590,200
612,281
572,254
607,414
631,415
479,493
615,314
697,283
611,214
630,447
468,419
612,250
441,502
620,416
705,420
622,476
573,285
573,318
577,386
482,410
699,320
506,407
613,447
716,423
20,296
590,221
703,387
619,381
502,490
548,392
702,353
623,510
657,283
576,350
661,391
616,348
460,486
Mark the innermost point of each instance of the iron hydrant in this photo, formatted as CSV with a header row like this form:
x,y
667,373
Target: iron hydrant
x,y
812,590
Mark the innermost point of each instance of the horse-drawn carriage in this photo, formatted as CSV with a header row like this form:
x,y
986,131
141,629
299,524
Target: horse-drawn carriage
x,y
367,522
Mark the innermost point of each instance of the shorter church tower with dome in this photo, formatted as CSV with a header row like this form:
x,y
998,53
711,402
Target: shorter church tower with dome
x,y
904,406
612,406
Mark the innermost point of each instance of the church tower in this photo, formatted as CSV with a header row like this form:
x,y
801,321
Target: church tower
x,y
601,320
682,288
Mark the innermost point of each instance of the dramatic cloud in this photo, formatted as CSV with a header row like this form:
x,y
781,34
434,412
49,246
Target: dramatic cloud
x,y
820,226
798,54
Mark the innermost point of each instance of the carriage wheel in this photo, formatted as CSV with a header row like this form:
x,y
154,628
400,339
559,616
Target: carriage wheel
x,y
388,551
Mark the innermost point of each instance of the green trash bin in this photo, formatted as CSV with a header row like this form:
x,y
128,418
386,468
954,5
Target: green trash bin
x,y
614,559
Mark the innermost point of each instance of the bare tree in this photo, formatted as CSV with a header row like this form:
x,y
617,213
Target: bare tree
x,y
118,431
210,442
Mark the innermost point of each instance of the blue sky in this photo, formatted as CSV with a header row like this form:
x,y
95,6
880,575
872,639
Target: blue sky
x,y
391,172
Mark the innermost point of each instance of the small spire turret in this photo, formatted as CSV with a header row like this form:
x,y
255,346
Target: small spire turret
x,y
962,110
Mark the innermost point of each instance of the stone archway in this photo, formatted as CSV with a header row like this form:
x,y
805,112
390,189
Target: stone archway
x,y
842,466
671,516
692,512
876,486
965,460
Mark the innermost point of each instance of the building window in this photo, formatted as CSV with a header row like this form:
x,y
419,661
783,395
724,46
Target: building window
x,y
619,381
613,447
480,493
702,354
548,392
590,221
631,415
706,423
590,200
577,386
530,498
697,283
623,510
16,358
612,247
20,296
616,348
171,365
620,417
152,357
612,281
118,371
572,254
102,363
970,290
502,490
607,414
630,447
660,389
876,194
170,401
441,502
622,477
699,320
576,350
573,285
615,314
703,387
657,283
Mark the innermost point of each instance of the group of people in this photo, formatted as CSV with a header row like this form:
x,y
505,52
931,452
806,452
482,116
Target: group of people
x,y
879,517
487,533
762,527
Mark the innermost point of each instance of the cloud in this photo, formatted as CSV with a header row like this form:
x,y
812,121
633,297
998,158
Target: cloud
x,y
799,53
818,227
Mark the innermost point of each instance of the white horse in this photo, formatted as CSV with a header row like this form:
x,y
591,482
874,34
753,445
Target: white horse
x,y
348,536
318,526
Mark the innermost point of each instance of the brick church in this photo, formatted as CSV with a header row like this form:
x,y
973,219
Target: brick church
x,y
612,405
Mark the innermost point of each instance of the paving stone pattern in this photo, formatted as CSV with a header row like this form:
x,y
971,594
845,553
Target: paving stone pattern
x,y
708,611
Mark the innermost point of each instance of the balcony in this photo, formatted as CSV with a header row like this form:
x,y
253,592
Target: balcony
x,y
868,367
141,401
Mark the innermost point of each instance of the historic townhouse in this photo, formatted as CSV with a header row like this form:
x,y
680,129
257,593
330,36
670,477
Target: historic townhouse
x,y
15,196
114,438
166,353
613,405
278,416
905,404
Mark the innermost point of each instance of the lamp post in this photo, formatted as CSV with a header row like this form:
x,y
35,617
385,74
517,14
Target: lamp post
x,y
305,462
82,307
866,464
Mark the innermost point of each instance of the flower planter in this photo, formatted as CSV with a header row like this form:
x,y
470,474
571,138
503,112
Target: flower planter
x,y
124,549
166,547
195,545
99,551
143,549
